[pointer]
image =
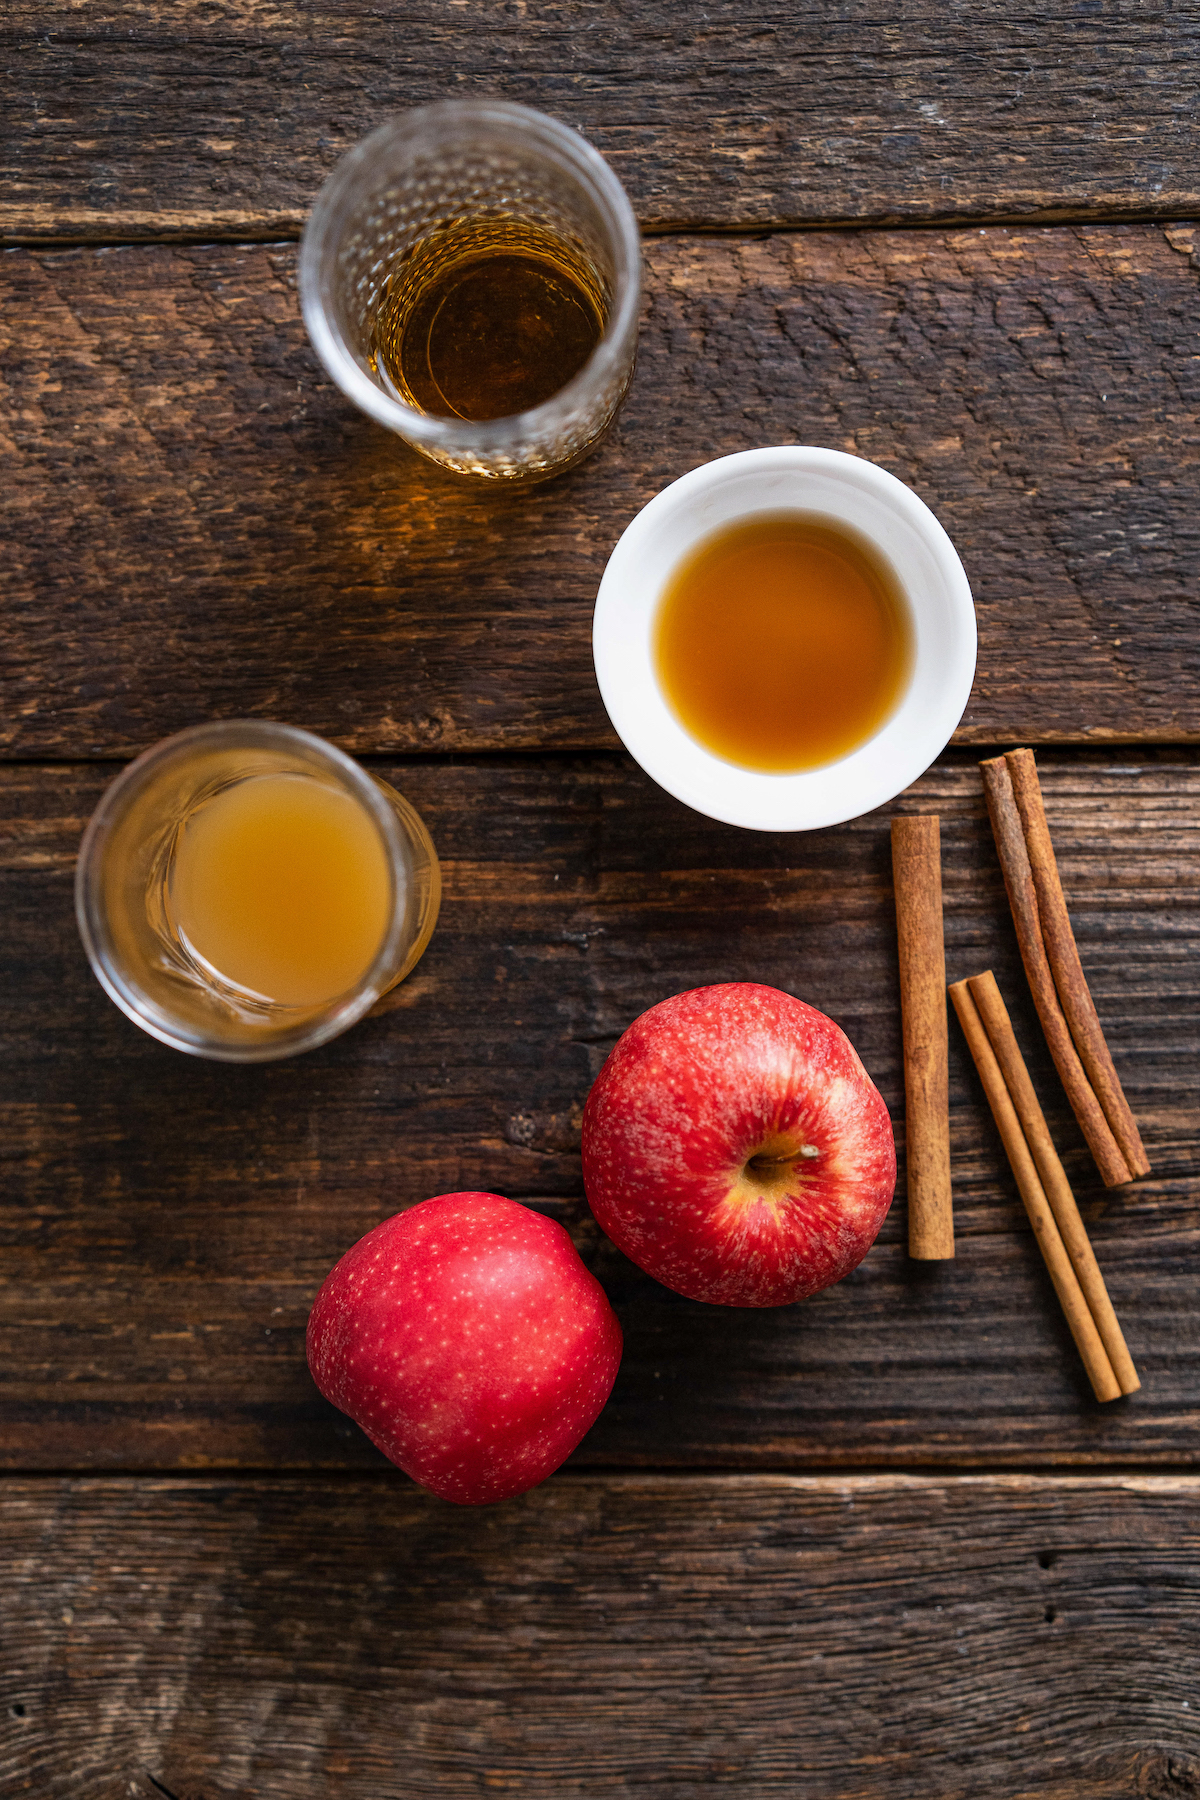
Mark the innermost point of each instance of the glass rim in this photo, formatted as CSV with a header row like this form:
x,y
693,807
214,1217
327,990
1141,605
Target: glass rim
x,y
318,1025
571,151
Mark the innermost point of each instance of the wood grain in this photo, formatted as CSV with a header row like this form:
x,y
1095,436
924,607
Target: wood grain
x,y
166,1222
859,1638
196,524
223,117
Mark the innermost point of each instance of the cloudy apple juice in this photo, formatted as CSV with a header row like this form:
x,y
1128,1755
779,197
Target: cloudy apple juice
x,y
280,886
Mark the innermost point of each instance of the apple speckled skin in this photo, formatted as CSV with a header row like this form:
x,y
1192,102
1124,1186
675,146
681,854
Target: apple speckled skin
x,y
735,1148
469,1341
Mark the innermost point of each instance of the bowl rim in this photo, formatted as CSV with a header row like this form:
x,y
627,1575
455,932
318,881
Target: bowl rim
x,y
774,480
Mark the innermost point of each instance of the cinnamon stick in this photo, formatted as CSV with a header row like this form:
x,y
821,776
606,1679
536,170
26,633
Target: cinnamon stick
x,y
994,1014
1063,956
1105,1385
917,874
1022,898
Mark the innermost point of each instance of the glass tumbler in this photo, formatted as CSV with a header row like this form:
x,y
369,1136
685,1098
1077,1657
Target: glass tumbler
x,y
432,190
183,826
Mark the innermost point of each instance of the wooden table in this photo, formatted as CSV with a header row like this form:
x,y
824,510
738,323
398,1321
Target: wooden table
x,y
882,1544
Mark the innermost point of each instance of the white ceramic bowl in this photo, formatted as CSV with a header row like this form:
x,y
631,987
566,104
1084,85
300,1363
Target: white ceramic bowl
x,y
797,478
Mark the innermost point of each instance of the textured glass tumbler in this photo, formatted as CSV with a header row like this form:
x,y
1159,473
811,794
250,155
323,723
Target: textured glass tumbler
x,y
418,180
127,904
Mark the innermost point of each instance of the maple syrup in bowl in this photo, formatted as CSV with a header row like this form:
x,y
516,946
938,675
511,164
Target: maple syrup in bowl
x,y
783,642
785,638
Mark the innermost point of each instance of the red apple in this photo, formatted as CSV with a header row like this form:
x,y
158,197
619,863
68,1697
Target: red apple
x,y
469,1341
736,1149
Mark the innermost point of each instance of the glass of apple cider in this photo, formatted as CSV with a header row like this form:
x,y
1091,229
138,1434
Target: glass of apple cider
x,y
246,891
470,277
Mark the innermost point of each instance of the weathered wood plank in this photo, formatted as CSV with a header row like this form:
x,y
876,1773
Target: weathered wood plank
x,y
140,118
197,524
851,1639
166,1223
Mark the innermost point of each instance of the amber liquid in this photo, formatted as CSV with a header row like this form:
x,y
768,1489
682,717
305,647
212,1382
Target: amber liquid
x,y
488,318
280,886
783,642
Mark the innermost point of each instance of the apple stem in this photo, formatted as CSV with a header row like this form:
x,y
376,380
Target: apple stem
x,y
807,1151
